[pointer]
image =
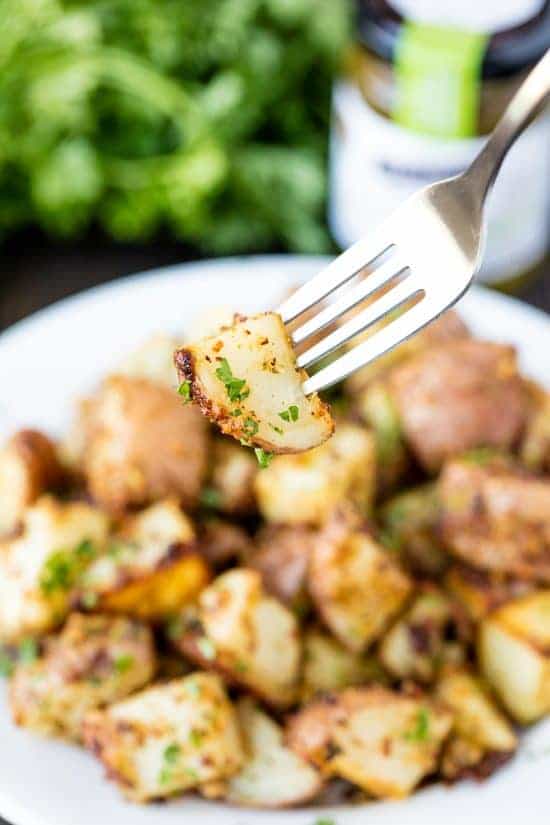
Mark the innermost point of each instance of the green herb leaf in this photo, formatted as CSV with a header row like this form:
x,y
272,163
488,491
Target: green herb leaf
x,y
196,737
171,753
184,390
420,732
28,651
206,648
292,414
250,427
211,498
235,387
123,663
264,459
62,567
276,429
6,664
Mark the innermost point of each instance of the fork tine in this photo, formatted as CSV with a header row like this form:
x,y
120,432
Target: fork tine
x,y
395,266
388,302
397,331
337,273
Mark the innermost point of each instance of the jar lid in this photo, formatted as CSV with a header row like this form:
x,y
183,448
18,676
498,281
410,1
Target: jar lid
x,y
509,50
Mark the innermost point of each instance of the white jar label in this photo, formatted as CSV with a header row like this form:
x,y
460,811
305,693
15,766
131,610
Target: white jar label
x,y
376,164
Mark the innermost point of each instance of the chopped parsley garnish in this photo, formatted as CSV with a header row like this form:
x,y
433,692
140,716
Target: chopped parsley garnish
x,y
250,426
325,822
123,663
171,753
421,729
206,649
184,390
264,459
28,651
195,737
235,387
6,664
235,413
211,498
63,566
276,429
292,414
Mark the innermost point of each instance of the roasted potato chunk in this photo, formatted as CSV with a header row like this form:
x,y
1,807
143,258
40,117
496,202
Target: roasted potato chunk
x,y
446,328
514,655
463,395
246,635
305,489
535,445
94,661
355,584
28,468
143,444
380,740
273,776
329,666
433,631
480,731
231,486
168,739
39,568
151,569
410,525
480,591
245,379
496,518
282,557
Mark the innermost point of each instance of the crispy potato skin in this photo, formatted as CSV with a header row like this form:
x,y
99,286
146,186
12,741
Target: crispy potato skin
x,y
221,542
463,395
143,444
29,467
260,351
94,661
497,518
355,584
481,591
168,739
369,737
282,558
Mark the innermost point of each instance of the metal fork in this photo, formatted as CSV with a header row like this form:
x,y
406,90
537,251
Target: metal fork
x,y
431,249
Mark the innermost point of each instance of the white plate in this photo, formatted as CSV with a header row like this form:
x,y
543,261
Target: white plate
x,y
50,359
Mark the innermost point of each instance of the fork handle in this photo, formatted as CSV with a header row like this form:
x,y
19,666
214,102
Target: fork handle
x,y
524,106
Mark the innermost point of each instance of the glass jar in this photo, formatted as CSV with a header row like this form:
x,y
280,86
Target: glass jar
x,y
423,85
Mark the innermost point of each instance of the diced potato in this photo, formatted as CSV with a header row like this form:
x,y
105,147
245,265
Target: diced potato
x,y
305,489
143,444
535,445
457,397
377,409
418,644
282,557
273,776
247,636
496,517
245,379
28,468
329,666
514,655
95,660
463,759
231,485
382,741
151,569
153,360
222,541
410,526
480,591
39,568
476,717
355,584
168,739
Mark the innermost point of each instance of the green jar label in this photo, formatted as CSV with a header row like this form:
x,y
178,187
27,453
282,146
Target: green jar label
x,y
438,79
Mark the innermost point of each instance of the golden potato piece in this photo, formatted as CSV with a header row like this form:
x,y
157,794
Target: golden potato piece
x,y
230,488
281,556
273,776
245,380
480,591
94,661
143,444
514,655
168,739
535,444
28,468
305,489
356,586
418,644
247,636
329,666
39,568
380,740
151,569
